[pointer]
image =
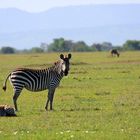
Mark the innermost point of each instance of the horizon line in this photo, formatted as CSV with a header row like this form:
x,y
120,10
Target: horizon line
x,y
76,5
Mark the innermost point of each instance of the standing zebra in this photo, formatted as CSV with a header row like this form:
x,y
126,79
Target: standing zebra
x,y
39,79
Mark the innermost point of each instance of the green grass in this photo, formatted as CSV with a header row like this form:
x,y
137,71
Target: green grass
x,y
100,99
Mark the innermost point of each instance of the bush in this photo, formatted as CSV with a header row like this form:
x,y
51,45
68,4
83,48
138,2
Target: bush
x,y
7,50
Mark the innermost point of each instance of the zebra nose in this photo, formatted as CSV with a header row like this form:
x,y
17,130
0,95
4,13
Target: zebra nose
x,y
66,73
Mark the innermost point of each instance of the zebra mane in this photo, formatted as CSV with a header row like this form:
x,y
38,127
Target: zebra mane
x,y
56,67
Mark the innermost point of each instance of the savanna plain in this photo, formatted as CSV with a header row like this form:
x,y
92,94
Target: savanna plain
x,y
99,99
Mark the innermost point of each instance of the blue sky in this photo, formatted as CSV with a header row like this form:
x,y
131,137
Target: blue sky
x,y
42,5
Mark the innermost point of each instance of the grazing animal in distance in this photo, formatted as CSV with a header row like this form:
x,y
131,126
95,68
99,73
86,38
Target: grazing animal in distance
x,y
115,52
39,79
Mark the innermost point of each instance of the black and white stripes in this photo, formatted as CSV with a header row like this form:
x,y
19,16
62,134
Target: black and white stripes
x,y
35,80
6,110
39,79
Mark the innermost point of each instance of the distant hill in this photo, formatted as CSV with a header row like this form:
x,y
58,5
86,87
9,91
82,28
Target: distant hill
x,y
91,23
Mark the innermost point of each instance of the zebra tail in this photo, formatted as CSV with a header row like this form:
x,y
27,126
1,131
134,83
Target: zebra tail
x,y
4,86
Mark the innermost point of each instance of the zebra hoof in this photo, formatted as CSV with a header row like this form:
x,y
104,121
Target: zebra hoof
x,y
51,109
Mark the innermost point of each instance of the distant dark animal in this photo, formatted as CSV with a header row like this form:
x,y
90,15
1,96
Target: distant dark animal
x,y
39,79
6,110
115,52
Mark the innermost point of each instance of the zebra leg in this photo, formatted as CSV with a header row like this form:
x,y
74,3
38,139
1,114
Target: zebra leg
x,y
50,98
51,101
16,94
46,107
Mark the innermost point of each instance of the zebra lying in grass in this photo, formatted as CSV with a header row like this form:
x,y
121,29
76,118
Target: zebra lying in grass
x,y
6,110
39,79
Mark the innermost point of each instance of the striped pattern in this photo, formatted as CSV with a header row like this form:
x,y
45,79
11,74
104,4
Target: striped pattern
x,y
35,80
39,79
6,110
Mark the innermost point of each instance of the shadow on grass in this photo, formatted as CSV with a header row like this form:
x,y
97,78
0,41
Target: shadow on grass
x,y
79,63
102,93
81,109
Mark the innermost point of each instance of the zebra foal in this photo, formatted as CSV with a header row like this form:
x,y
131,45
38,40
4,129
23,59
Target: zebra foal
x,y
39,79
6,110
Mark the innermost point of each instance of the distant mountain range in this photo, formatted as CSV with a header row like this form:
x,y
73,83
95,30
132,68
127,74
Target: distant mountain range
x,y
91,23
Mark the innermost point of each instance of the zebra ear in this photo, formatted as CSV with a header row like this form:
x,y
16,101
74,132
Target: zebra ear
x,y
61,56
69,55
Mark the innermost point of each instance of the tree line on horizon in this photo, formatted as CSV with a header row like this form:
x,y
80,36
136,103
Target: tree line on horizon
x,y
62,45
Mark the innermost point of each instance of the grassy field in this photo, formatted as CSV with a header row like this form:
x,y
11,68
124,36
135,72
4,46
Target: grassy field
x,y
99,99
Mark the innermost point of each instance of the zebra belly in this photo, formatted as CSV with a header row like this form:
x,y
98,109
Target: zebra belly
x,y
40,86
36,89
